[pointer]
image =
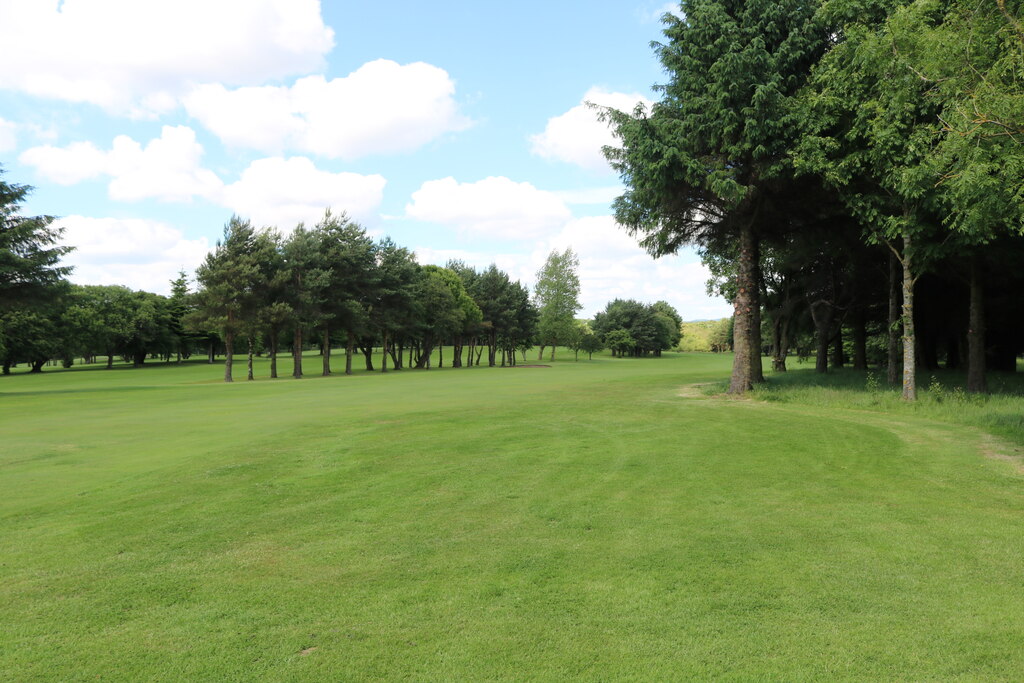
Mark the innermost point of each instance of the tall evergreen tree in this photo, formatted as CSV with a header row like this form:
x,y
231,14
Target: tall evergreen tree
x,y
229,281
711,155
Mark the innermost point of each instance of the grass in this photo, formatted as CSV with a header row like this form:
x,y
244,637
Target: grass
x,y
595,520
941,396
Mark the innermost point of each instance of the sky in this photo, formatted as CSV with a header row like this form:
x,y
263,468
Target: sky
x,y
459,129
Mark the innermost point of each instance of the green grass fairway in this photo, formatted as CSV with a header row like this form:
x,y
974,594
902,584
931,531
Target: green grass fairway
x,y
601,520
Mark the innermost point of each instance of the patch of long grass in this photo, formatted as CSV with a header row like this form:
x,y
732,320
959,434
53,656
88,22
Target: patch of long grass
x,y
942,395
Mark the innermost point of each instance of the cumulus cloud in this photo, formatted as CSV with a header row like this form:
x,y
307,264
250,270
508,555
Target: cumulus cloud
x,y
285,192
271,191
168,168
612,266
381,108
139,57
8,136
494,207
577,136
137,253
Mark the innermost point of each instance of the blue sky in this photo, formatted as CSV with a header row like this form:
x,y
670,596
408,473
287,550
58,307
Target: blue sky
x,y
457,128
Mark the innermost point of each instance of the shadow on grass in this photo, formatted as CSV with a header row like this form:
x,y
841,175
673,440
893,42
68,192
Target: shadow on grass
x,y
941,396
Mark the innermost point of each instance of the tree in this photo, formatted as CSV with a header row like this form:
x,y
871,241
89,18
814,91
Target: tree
x,y
870,123
229,280
710,157
620,341
590,343
180,305
973,58
442,311
557,295
346,257
29,250
393,300
306,289
273,311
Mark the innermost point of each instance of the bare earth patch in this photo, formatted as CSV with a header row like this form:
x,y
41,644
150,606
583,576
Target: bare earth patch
x,y
695,391
307,651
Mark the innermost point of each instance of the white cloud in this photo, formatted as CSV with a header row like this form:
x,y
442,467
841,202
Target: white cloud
x,y
167,168
8,136
381,108
284,192
612,266
668,8
591,196
492,208
140,57
577,136
137,253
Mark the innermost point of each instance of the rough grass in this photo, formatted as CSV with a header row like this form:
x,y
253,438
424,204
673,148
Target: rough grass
x,y
595,520
941,396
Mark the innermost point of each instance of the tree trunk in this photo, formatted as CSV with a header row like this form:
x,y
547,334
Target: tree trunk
x,y
892,357
368,356
249,376
837,348
554,345
273,353
229,350
110,360
540,356
349,349
325,349
297,352
210,357
822,328
457,351
909,358
781,343
384,352
743,315
396,354
756,367
440,356
7,366
492,348
976,381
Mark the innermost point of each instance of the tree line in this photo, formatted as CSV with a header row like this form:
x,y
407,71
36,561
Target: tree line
x,y
851,171
330,284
